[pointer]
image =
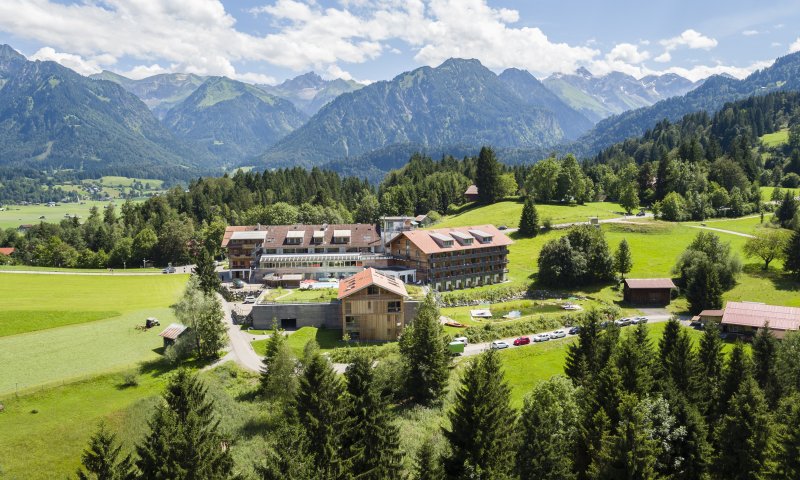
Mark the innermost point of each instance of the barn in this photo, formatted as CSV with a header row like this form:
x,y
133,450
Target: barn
x,y
648,291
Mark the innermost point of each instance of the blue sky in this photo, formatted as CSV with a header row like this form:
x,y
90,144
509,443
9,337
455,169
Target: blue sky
x,y
367,40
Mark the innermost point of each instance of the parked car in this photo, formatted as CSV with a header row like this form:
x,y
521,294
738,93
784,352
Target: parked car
x,y
522,341
558,334
499,345
238,283
502,227
250,299
641,213
168,270
622,322
638,320
542,337
574,330
461,339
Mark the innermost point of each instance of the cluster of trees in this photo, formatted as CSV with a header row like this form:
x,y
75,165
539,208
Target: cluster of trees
x,y
581,257
705,270
559,180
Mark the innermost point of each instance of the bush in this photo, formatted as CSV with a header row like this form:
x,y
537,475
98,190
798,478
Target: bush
x,y
495,295
547,223
181,349
375,352
130,380
493,331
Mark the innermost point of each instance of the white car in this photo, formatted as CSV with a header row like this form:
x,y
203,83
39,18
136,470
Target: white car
x,y
461,340
558,334
542,337
250,299
499,345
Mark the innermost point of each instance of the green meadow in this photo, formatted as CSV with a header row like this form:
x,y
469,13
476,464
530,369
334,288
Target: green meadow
x,y
13,216
507,213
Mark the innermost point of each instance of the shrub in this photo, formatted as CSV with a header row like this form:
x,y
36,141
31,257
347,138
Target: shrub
x,y
375,352
493,331
130,380
473,297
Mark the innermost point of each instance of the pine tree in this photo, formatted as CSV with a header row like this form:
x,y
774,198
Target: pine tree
x,y
764,357
680,365
427,465
787,209
737,369
184,441
690,449
321,413
549,426
286,460
744,435
582,357
488,177
668,340
630,453
635,361
205,271
623,263
372,440
786,461
529,220
481,435
277,380
703,288
102,459
425,355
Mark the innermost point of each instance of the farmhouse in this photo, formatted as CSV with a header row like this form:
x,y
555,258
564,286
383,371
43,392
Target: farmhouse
x,y
172,333
7,251
648,291
453,258
748,317
471,194
372,305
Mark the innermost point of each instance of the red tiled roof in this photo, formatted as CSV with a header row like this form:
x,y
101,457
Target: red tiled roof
x,y
643,283
367,277
471,190
7,251
424,240
235,228
712,313
173,331
361,235
756,314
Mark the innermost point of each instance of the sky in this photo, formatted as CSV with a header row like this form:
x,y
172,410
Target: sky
x,y
268,41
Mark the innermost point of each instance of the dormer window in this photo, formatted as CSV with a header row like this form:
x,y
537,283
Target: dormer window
x,y
318,237
295,237
442,240
341,236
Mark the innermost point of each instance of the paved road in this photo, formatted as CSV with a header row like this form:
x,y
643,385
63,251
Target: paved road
x,y
746,235
241,351
476,348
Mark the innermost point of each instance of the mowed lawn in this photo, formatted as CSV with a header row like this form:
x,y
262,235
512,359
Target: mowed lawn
x,y
16,215
508,212
76,326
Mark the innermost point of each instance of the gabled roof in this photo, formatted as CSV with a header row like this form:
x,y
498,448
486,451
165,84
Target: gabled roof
x,y
425,240
712,313
7,251
368,277
173,331
643,283
361,234
471,190
757,314
235,228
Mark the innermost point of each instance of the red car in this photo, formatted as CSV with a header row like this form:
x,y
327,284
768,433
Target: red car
x,y
522,341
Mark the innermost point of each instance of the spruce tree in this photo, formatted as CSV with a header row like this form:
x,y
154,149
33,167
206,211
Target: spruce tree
x,y
680,365
277,380
426,358
764,357
205,271
786,461
488,177
427,464
371,440
582,356
629,453
623,263
690,449
286,459
743,437
102,459
549,426
529,220
184,442
481,435
703,288
668,340
737,369
635,361
787,209
792,254
594,428
321,413
710,367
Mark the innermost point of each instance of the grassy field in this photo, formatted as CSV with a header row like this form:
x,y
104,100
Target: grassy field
x,y
748,225
16,215
508,212
328,339
775,139
296,295
54,328
112,181
32,268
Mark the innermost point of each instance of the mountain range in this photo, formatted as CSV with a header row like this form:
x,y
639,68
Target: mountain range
x,y
184,124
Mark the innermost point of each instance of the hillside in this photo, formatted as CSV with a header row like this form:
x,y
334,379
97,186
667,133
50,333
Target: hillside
x,y
51,117
598,97
159,92
10,63
232,120
310,92
457,103
784,74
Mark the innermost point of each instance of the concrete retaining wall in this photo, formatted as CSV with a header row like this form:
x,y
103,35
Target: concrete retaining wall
x,y
305,314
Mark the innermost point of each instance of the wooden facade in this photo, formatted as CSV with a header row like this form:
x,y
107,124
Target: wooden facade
x,y
648,291
373,314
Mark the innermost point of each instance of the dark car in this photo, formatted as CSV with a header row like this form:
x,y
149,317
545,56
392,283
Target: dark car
x,y
502,227
522,341
574,330
640,214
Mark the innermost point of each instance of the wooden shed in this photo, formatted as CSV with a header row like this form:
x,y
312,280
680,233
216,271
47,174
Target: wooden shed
x,y
648,291
172,333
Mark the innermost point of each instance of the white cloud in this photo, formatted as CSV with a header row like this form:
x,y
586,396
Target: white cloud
x,y
142,71
664,57
699,72
689,38
75,62
750,33
795,46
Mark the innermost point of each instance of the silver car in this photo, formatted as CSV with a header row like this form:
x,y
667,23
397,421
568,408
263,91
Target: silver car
x,y
558,334
498,345
542,337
